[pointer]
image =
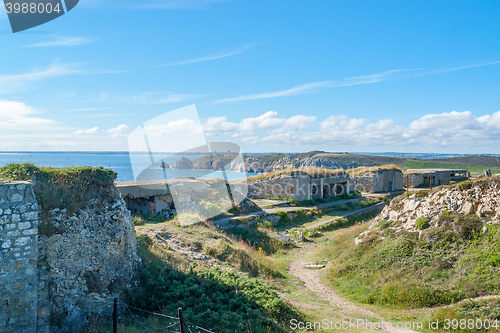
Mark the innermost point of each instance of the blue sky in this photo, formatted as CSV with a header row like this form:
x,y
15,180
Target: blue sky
x,y
268,75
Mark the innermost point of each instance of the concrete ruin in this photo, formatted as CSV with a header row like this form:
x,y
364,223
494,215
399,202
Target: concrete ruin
x,y
379,181
419,177
300,185
147,197
177,196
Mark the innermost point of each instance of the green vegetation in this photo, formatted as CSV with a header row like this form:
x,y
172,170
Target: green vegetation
x,y
481,312
470,163
447,264
220,300
69,188
422,223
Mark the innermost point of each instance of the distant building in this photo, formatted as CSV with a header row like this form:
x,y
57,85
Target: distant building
x,y
418,177
377,179
307,184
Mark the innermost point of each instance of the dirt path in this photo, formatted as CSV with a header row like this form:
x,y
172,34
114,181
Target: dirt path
x,y
313,283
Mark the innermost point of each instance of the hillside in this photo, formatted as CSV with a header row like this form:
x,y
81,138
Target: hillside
x,y
319,159
430,249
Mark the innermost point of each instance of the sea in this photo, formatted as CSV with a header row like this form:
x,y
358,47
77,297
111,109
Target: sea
x,y
117,161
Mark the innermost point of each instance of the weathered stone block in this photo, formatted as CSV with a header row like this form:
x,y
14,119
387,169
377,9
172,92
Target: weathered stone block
x,y
30,216
16,197
24,225
30,232
7,244
22,241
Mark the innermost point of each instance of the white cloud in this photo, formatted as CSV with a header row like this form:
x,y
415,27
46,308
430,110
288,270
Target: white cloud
x,y
90,131
299,122
445,131
270,119
9,83
308,87
19,116
183,126
395,74
144,98
120,129
211,57
60,41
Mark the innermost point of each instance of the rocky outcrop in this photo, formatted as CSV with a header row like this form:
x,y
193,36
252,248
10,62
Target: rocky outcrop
x,y
184,163
292,161
485,173
466,205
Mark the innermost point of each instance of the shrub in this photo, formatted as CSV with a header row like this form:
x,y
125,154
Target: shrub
x,y
211,209
138,220
421,194
69,188
284,216
221,300
422,223
466,185
384,224
15,171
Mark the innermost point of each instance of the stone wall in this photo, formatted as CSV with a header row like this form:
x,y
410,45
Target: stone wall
x,y
19,220
418,178
90,257
60,274
380,181
297,187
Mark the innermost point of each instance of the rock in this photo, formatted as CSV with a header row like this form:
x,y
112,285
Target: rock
x,y
485,173
164,165
184,164
283,238
467,208
314,266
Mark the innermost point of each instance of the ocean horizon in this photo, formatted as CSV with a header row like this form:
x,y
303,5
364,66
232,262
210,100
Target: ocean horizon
x,y
118,161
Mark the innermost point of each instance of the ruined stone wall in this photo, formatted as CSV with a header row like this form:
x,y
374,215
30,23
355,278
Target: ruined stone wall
x,y
90,257
414,179
438,178
283,186
61,273
381,181
19,220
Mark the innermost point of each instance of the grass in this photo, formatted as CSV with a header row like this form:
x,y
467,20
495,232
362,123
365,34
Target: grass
x,y
217,299
402,271
71,188
359,171
442,164
312,172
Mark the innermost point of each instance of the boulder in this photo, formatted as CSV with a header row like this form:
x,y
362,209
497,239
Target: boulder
x,y
184,163
485,173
